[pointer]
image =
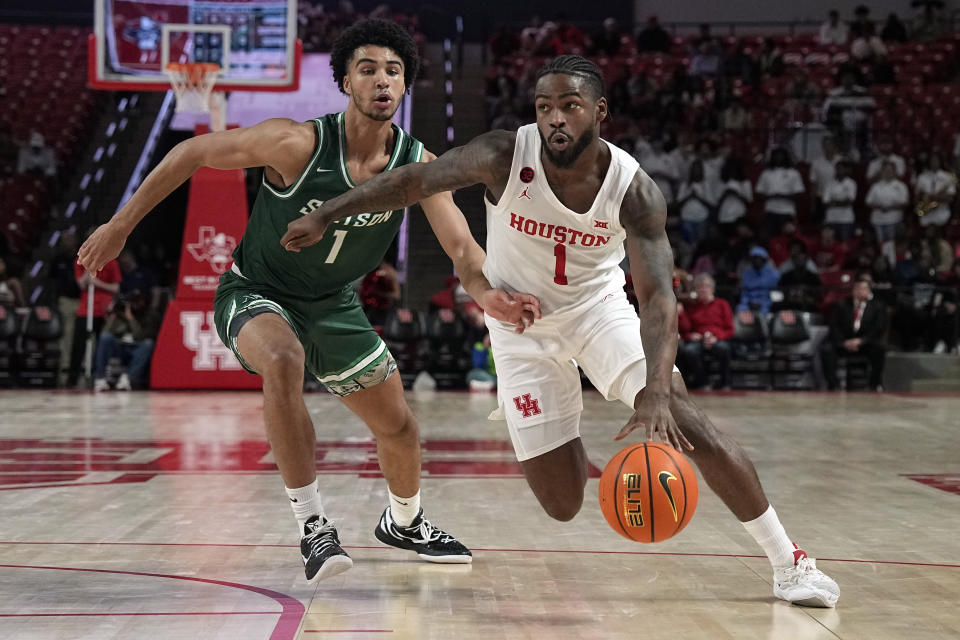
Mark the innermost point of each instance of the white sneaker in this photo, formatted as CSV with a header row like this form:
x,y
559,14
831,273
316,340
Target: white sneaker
x,y
123,383
803,584
100,385
940,347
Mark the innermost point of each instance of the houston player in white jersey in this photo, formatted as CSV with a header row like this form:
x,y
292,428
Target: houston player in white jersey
x,y
561,201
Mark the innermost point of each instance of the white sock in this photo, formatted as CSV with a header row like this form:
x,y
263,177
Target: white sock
x,y
404,510
769,534
305,503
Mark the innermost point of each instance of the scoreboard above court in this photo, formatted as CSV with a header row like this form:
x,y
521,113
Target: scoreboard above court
x,y
253,41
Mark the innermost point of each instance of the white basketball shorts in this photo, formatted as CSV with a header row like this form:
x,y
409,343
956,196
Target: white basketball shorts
x,y
538,383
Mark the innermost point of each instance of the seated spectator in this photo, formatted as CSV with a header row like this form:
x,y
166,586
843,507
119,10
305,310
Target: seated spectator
x,y
929,25
128,333
695,204
483,375
838,199
570,35
736,194
917,282
935,189
137,277
865,44
706,326
829,254
37,157
858,326
780,244
11,291
887,198
882,275
833,31
770,58
757,282
941,253
886,153
607,41
799,281
444,299
739,64
380,292
781,185
548,42
894,30
705,60
823,169
846,109
946,323
735,117
803,90
653,38
661,165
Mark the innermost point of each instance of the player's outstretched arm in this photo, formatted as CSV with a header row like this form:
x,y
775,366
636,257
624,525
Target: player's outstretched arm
x,y
643,216
451,228
479,161
282,144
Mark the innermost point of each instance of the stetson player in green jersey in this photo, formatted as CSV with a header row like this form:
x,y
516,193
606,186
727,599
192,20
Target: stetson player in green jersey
x,y
281,311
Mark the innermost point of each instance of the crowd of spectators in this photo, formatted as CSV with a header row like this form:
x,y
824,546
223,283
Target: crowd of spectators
x,y
785,178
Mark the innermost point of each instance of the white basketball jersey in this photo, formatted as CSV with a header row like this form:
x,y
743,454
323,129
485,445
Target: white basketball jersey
x,y
536,245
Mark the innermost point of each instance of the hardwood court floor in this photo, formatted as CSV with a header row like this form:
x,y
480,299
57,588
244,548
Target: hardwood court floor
x,y
161,515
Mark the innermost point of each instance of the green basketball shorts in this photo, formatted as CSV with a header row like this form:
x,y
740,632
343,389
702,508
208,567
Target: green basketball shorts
x,y
342,350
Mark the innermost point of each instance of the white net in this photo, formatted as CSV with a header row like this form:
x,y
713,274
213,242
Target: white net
x,y
193,84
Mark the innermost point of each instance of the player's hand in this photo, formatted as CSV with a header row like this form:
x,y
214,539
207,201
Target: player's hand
x,y
518,309
102,246
304,232
653,414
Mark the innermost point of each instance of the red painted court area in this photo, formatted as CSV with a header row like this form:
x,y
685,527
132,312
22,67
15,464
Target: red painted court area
x,y
28,463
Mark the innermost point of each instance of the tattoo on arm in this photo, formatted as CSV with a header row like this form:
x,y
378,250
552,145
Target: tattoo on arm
x,y
643,216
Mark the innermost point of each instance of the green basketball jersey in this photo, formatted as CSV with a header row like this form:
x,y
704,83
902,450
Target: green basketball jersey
x,y
350,248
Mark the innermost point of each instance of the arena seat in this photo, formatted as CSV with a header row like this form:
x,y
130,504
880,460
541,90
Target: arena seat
x,y
39,357
449,355
792,351
750,352
404,331
9,332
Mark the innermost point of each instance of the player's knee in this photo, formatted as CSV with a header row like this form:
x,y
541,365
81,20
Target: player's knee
x,y
562,510
283,362
397,424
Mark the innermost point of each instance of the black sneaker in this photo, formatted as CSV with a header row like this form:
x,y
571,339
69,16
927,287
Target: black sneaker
x,y
320,550
430,543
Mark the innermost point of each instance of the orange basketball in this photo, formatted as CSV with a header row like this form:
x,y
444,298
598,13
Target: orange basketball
x,y
648,492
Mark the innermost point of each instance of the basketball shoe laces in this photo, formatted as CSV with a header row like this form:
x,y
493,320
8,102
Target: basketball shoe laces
x,y
428,533
805,571
321,537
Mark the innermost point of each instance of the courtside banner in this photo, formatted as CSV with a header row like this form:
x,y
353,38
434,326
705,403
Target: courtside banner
x,y
189,354
216,218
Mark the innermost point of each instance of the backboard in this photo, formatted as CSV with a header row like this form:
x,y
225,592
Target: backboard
x,y
253,41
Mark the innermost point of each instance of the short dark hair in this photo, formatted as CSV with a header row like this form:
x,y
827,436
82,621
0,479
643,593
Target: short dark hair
x,y
573,65
381,33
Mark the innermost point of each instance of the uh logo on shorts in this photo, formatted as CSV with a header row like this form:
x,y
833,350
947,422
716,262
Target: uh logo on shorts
x,y
527,406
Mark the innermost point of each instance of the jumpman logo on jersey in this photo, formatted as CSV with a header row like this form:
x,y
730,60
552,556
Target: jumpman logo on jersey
x,y
525,194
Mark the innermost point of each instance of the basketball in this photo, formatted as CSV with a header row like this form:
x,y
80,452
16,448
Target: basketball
x,y
648,492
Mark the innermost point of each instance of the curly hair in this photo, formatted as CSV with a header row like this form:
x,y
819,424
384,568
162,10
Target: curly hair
x,y
573,65
381,33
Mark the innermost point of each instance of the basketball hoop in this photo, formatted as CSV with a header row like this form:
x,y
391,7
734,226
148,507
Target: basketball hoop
x,y
193,83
